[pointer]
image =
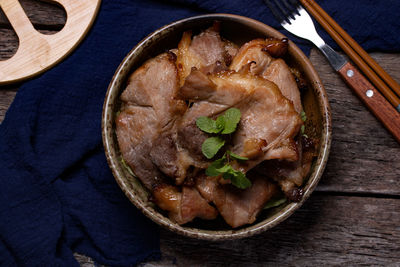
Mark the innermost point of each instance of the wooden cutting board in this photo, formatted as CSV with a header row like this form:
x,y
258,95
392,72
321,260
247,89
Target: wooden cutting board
x,y
38,52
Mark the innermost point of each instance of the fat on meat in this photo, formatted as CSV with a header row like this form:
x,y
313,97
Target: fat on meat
x,y
269,121
148,107
206,52
275,70
237,207
149,111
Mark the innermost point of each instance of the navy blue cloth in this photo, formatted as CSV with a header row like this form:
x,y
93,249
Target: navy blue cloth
x,y
57,194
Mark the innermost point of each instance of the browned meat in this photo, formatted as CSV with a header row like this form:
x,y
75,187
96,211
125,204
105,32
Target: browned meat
x,y
149,108
159,139
135,131
276,47
268,118
237,207
154,85
183,206
253,51
279,73
206,52
269,121
269,68
290,175
194,205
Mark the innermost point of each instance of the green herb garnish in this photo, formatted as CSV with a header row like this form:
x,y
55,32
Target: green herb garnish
x,y
303,127
224,124
303,116
230,120
208,125
275,202
127,167
211,146
235,156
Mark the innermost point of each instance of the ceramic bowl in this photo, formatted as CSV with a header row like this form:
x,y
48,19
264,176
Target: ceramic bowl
x,y
239,30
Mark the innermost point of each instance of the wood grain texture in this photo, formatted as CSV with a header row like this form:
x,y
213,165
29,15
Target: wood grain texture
x,y
373,99
361,59
43,15
364,157
38,52
351,219
327,230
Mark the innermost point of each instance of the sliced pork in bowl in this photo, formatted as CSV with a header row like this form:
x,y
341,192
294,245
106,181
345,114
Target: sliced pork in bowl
x,y
206,129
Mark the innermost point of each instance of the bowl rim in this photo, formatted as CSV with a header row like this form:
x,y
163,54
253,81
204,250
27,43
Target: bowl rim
x,y
252,229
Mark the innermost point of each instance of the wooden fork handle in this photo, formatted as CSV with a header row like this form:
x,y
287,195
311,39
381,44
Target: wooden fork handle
x,y
371,97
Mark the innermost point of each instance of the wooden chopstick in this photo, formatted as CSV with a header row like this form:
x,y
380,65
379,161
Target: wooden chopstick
x,y
369,67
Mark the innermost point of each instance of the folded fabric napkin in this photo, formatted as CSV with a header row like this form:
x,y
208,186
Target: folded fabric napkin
x,y
57,194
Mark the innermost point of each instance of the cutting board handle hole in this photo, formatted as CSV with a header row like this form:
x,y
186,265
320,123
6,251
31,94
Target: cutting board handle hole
x,y
11,39
36,51
47,17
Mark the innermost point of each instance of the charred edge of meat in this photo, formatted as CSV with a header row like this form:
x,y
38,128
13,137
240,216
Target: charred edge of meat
x,y
191,175
171,56
300,81
295,194
276,47
227,58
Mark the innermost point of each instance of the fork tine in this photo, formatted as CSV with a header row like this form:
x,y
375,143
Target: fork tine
x,y
292,7
275,12
283,10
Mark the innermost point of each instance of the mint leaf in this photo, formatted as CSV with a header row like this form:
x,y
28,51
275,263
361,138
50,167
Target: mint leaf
x,y
220,122
212,170
208,125
240,180
231,118
275,202
236,156
302,129
303,116
211,146
225,168
237,178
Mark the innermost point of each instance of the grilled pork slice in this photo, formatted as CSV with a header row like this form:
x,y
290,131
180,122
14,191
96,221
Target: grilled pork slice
x,y
269,121
136,129
206,52
149,108
237,207
155,85
275,70
149,111
183,206
290,175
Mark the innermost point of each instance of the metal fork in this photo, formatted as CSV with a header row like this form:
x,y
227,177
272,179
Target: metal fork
x,y
295,19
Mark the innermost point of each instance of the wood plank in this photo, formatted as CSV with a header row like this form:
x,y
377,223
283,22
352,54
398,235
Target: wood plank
x,y
42,15
330,230
9,43
364,156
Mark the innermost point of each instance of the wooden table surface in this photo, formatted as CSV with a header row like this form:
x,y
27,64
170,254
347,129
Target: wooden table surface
x,y
352,218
